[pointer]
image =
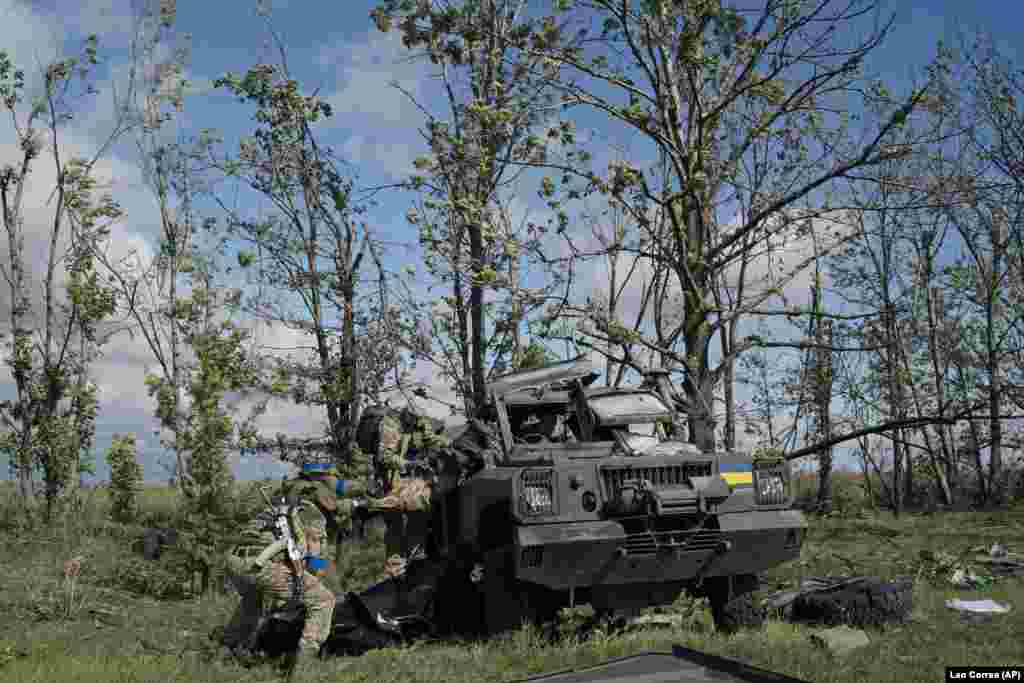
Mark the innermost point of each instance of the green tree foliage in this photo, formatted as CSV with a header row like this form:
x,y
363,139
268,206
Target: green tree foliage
x,y
54,339
221,365
533,356
746,130
310,251
125,478
496,120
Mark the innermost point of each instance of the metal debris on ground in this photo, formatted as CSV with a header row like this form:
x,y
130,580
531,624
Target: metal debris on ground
x,y
840,640
1000,562
964,578
978,606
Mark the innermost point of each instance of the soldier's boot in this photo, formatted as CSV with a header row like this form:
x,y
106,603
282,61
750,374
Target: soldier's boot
x,y
304,665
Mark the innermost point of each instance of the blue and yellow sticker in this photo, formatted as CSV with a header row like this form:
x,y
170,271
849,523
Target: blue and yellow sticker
x,y
737,473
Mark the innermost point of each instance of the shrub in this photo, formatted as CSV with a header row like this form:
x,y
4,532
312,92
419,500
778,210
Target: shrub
x,y
166,580
125,478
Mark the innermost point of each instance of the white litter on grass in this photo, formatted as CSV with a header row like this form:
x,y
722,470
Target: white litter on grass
x,y
978,606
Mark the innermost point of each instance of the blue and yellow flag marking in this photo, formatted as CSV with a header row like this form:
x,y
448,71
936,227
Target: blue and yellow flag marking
x,y
737,473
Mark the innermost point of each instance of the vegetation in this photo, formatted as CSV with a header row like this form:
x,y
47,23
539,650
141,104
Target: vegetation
x,y
904,208
125,478
121,618
822,260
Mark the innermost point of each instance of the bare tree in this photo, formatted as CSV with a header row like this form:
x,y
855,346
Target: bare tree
x,y
312,248
743,103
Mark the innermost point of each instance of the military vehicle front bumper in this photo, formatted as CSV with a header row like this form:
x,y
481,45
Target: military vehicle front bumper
x,y
579,554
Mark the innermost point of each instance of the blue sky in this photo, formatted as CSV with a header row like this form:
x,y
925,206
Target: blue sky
x,y
334,47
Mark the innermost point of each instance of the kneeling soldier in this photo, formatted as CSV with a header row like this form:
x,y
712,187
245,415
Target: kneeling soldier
x,y
268,579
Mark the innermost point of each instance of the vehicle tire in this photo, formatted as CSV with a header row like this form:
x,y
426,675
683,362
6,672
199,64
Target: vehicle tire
x,y
503,607
507,601
735,607
868,602
458,604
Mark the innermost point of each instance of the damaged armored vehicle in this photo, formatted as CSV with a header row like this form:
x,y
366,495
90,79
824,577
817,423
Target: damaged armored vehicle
x,y
583,496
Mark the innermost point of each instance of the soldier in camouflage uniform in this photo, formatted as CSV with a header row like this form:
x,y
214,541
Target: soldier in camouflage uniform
x,y
336,498
405,447
259,568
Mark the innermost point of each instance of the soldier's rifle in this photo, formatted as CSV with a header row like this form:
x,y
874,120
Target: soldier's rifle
x,y
281,526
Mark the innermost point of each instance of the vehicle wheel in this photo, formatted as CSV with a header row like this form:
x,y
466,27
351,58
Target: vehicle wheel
x,y
458,602
734,607
503,607
868,602
508,602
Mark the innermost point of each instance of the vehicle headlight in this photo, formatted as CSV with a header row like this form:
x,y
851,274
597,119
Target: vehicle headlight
x,y
770,488
537,492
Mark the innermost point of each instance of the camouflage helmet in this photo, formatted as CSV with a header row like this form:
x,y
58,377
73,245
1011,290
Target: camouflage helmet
x,y
310,521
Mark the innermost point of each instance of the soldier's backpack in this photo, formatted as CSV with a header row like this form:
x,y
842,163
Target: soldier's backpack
x,y
368,433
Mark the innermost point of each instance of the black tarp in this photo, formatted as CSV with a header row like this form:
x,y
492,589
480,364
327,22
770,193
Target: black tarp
x,y
682,664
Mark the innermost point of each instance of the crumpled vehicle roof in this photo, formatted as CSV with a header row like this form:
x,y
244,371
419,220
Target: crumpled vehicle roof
x,y
555,374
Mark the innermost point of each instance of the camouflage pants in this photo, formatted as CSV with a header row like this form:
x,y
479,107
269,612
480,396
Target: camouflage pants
x,y
269,589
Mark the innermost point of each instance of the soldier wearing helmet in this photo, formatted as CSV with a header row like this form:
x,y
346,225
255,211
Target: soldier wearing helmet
x,y
268,577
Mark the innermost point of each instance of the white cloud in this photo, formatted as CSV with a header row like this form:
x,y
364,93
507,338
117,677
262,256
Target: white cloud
x,y
364,99
38,208
366,69
783,263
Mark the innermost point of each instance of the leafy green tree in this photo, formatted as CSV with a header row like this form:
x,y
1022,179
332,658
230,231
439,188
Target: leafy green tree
x,y
313,249
496,120
53,340
125,478
218,366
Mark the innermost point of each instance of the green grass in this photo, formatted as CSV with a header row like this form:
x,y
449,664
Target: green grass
x,y
101,633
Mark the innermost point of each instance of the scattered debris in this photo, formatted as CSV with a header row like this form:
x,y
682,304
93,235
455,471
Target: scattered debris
x,y
977,611
963,578
1000,562
856,601
939,566
978,606
840,640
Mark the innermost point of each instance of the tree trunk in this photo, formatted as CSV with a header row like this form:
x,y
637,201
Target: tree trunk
x,y
984,484
729,385
476,313
994,315
935,315
348,410
823,407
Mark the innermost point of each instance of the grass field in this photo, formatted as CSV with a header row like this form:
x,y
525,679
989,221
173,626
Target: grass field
x,y
88,629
